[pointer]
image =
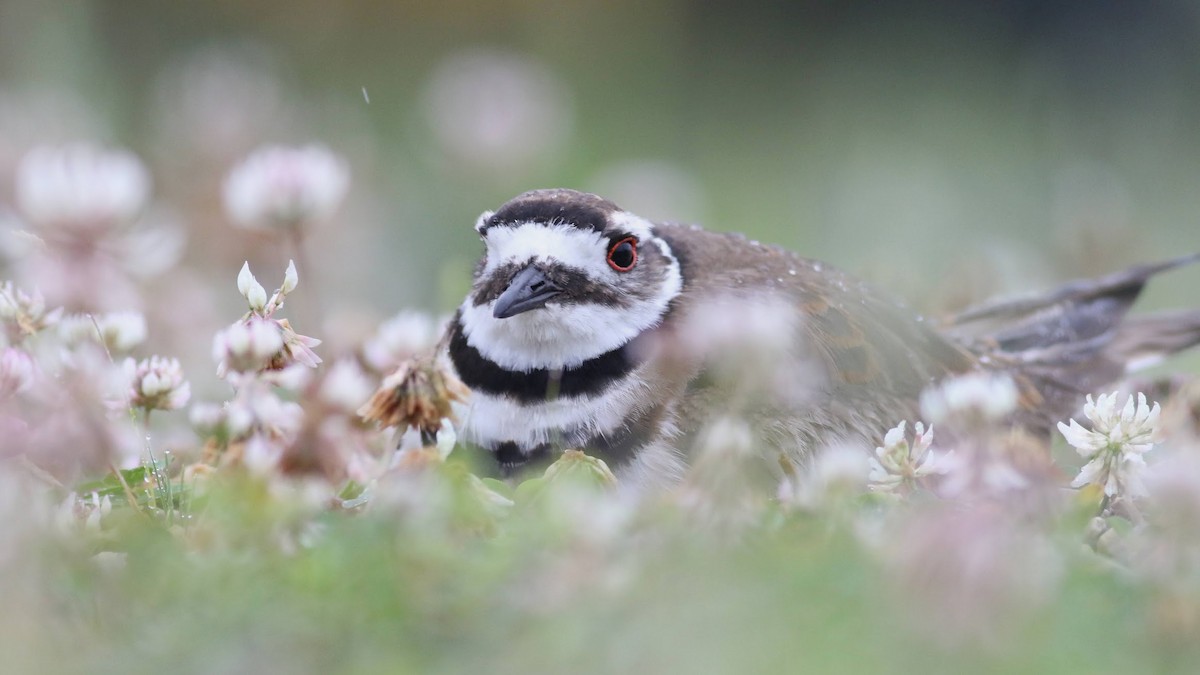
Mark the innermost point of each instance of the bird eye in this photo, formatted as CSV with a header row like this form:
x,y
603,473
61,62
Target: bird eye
x,y
623,255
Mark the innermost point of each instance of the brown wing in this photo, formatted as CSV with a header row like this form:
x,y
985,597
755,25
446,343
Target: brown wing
x,y
873,348
872,341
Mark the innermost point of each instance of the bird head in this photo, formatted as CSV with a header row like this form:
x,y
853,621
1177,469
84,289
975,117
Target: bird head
x,y
566,276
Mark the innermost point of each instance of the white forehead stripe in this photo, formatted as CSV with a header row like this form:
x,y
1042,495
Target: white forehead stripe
x,y
482,221
637,226
565,244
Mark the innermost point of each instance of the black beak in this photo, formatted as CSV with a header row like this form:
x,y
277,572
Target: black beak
x,y
529,289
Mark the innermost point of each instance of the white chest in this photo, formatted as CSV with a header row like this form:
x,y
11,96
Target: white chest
x,y
493,419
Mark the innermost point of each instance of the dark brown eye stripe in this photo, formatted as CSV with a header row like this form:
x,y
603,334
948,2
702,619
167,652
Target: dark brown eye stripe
x,y
490,288
578,287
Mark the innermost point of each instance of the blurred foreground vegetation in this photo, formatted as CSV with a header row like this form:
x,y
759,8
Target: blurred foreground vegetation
x,y
945,150
563,580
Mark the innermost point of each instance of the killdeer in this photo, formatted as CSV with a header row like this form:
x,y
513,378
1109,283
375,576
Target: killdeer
x,y
586,325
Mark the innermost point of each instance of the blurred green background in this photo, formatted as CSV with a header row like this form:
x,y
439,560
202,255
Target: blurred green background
x,y
946,149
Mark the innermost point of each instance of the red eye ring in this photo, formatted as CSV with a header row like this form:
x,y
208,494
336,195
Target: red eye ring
x,y
623,254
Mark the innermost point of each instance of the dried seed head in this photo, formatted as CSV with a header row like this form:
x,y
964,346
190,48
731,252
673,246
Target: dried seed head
x,y
418,394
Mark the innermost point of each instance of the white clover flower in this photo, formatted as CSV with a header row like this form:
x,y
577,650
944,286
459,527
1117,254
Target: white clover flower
x,y
898,463
971,572
257,411
261,454
293,377
82,515
654,189
750,343
16,371
256,417
81,186
238,419
157,383
346,387
152,247
24,313
120,331
247,346
285,187
1172,504
76,329
527,117
991,395
837,473
405,335
206,417
1115,443
727,437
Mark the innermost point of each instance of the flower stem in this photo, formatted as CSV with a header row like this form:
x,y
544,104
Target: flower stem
x,y
300,254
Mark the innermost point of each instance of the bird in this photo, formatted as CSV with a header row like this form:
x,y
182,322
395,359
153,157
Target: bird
x,y
590,327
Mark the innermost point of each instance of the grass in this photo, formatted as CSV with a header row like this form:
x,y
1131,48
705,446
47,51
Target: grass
x,y
253,582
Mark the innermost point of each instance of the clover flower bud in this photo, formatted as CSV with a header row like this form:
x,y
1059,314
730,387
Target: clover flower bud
x,y
250,289
290,278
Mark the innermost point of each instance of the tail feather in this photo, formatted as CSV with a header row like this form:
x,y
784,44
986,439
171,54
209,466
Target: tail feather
x,y
1077,339
1077,310
1145,340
